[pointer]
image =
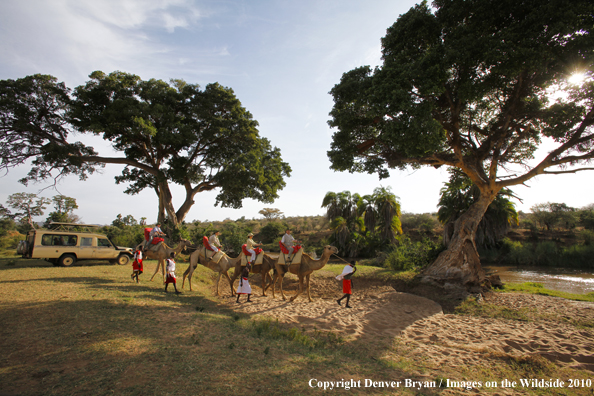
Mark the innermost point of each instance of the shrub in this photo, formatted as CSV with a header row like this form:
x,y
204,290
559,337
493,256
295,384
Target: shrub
x,y
272,231
11,239
408,255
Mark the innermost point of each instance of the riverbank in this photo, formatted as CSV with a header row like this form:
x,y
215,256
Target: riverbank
x,y
90,330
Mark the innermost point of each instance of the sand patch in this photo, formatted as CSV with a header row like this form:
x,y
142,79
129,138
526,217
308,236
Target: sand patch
x,y
380,311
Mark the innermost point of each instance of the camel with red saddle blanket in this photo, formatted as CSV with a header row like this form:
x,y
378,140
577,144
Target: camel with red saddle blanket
x,y
263,264
303,270
162,252
215,261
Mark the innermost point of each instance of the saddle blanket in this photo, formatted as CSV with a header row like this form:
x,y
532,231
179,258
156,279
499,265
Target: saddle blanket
x,y
245,259
216,257
294,259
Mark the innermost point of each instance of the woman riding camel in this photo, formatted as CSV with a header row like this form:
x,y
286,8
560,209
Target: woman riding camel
x,y
213,241
250,245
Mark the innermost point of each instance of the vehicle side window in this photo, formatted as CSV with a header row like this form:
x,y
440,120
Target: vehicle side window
x,y
58,240
86,241
103,242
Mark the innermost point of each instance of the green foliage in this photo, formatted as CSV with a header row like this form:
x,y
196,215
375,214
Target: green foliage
x,y
546,253
125,235
10,239
362,225
466,84
272,231
457,197
233,235
408,255
29,205
554,215
586,218
177,133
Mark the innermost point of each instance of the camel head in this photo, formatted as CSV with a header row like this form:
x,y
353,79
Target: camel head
x,y
329,250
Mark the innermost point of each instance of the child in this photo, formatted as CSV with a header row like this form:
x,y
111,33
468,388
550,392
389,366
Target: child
x,y
347,283
244,285
137,267
170,277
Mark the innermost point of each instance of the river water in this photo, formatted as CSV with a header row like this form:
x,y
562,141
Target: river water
x,y
568,280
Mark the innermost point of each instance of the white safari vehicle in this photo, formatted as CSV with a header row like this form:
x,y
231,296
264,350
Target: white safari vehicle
x,y
65,243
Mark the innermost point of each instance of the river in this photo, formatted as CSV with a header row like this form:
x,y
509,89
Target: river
x,y
568,280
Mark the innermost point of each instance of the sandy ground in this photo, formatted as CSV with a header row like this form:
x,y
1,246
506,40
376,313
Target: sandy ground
x,y
379,310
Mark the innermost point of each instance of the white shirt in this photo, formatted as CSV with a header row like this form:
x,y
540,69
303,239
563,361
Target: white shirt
x,y
214,241
170,265
288,240
345,271
155,231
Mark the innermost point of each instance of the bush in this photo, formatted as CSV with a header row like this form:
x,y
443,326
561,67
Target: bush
x,y
11,239
272,231
408,255
546,253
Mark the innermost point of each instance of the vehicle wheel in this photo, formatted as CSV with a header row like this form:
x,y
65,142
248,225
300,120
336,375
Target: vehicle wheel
x,y
123,259
67,260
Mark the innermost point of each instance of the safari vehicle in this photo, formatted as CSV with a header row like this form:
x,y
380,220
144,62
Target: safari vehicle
x,y
66,243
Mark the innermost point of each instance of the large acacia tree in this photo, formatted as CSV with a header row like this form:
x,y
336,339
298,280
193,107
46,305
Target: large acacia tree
x,y
163,133
468,84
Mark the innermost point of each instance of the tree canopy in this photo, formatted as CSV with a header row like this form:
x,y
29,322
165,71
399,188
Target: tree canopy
x,y
468,85
201,139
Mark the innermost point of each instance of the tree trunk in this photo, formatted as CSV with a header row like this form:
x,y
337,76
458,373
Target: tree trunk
x,y
460,263
166,199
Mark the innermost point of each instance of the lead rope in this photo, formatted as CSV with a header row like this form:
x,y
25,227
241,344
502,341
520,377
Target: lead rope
x,y
334,254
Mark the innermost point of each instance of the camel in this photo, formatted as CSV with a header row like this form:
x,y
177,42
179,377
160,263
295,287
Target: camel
x,y
304,270
263,269
224,265
162,253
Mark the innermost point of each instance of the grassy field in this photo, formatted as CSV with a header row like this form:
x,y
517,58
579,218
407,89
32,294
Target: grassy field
x,y
89,330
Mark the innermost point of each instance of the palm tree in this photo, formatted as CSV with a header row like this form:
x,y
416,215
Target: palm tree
x,y
363,223
341,211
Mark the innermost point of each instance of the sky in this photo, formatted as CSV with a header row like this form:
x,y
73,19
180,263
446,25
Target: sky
x,y
281,58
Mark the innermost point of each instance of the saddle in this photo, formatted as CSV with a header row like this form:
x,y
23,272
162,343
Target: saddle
x,y
288,259
246,256
209,253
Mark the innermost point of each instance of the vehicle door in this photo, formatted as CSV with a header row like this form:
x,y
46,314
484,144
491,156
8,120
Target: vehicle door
x,y
105,249
88,247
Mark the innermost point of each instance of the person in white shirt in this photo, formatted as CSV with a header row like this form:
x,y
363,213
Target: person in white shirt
x,y
213,241
250,245
347,283
170,273
289,241
137,267
155,232
244,285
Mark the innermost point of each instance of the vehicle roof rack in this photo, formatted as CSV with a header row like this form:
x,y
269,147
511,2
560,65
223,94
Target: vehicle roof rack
x,y
55,226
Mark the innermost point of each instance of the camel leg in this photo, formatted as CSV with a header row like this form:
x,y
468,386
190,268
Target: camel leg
x,y
218,280
300,289
274,284
157,269
264,277
230,282
307,285
189,272
281,287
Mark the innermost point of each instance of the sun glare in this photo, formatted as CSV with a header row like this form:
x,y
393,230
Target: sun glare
x,y
576,78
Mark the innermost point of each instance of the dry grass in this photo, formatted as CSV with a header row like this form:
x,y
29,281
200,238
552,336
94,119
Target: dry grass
x,y
90,330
